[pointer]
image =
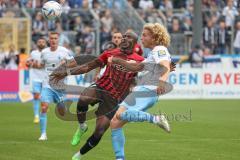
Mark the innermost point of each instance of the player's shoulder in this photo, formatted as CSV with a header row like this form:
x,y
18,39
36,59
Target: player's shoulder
x,y
112,52
46,50
161,50
61,48
34,52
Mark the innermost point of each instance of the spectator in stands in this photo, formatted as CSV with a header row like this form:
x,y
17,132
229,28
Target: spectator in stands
x,y
230,12
63,38
38,27
118,4
11,58
77,50
22,56
189,11
157,16
96,7
236,43
134,3
2,57
187,24
209,35
78,25
13,4
179,4
75,3
206,52
196,57
64,17
88,40
223,38
166,5
175,27
107,21
146,4
105,37
2,7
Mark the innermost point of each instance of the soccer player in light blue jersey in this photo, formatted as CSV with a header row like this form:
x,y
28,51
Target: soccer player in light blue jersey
x,y
37,76
51,58
150,84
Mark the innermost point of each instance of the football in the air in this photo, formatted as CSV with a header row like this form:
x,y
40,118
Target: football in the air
x,y
51,10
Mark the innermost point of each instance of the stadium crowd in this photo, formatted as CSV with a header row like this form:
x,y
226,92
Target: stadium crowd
x,y
221,24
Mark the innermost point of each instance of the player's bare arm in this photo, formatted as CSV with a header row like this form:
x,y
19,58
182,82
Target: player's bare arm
x,y
85,68
134,67
164,76
129,65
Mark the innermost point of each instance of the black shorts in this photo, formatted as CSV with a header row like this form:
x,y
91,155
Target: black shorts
x,y
107,105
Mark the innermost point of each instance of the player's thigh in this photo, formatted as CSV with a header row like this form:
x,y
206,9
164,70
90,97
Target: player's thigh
x,y
89,96
140,99
107,105
58,96
47,95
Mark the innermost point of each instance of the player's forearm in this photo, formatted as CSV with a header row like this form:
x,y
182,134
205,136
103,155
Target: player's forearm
x,y
166,71
79,70
134,67
84,68
37,65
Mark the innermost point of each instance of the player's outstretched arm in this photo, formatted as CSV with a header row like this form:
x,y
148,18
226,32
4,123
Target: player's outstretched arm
x,y
85,68
134,67
64,71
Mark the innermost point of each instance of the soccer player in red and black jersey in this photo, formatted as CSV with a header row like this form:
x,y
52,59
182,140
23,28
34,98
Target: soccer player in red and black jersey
x,y
109,90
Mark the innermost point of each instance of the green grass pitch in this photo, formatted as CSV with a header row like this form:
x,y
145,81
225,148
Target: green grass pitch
x,y
201,130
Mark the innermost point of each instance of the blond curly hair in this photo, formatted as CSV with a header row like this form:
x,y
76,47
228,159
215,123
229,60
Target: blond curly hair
x,y
159,33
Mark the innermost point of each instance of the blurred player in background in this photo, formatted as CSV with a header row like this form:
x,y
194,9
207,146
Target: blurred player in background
x,y
150,83
114,43
37,77
51,58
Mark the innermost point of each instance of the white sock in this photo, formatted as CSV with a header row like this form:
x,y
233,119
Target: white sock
x,y
83,126
156,119
78,154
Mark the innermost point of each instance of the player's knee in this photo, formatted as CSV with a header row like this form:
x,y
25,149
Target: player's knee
x,y
44,107
61,108
119,114
36,96
114,122
99,133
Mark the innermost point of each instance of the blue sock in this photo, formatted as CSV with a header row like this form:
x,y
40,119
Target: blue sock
x,y
118,141
136,116
43,122
36,105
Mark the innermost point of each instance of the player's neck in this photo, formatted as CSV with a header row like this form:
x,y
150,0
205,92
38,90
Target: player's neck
x,y
40,50
152,46
53,48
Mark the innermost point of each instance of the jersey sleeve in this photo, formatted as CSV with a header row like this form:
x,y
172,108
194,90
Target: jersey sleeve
x,y
103,58
66,55
161,54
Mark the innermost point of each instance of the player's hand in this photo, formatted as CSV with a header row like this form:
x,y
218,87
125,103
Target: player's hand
x,y
110,60
161,89
172,66
29,62
57,76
